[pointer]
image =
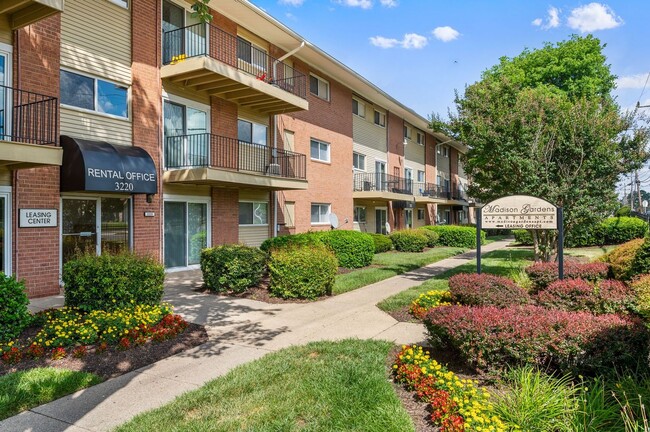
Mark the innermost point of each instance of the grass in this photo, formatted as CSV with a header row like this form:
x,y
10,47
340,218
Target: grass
x,y
23,390
390,264
503,262
322,386
589,252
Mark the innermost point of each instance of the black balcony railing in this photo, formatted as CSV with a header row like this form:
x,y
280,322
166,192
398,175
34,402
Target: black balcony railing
x,y
28,117
431,190
213,151
209,40
382,182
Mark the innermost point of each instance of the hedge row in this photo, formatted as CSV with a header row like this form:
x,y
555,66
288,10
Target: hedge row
x,y
14,315
232,267
456,236
542,274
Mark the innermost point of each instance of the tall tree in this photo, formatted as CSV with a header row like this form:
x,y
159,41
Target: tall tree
x,y
545,124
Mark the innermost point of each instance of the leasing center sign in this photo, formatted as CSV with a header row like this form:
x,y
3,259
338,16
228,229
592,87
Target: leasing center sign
x,y
519,212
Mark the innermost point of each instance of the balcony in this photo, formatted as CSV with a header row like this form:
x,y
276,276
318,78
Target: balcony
x,y
430,192
21,13
204,58
28,129
382,186
212,159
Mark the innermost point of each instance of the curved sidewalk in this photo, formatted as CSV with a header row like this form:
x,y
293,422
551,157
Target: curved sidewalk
x,y
240,330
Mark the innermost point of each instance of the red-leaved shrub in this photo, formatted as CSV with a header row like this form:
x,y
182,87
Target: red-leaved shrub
x,y
616,297
486,290
491,338
542,274
608,296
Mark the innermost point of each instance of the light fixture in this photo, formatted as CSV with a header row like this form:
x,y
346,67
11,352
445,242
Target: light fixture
x,y
149,198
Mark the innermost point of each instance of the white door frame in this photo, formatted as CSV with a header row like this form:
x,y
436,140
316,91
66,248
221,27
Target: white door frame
x,y
5,192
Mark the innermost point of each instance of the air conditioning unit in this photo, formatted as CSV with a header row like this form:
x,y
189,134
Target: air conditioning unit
x,y
273,169
406,141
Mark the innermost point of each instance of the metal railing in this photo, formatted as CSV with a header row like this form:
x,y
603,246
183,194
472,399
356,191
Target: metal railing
x,y
28,117
382,182
214,151
209,40
431,190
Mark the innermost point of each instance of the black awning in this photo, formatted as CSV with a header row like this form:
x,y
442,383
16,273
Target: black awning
x,y
98,166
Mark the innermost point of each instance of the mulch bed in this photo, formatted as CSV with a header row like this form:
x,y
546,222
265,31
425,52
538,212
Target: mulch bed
x,y
112,362
402,315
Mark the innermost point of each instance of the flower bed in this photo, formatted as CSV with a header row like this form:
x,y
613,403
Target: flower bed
x,y
457,404
429,300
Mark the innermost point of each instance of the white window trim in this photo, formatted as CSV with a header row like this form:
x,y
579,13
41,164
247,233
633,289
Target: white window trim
x,y
329,211
354,214
129,116
329,151
365,162
256,202
381,113
253,45
329,87
359,105
5,192
120,3
424,177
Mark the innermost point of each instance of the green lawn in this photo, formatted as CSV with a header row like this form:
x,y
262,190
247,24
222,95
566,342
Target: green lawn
x,y
589,252
391,264
504,262
322,386
23,390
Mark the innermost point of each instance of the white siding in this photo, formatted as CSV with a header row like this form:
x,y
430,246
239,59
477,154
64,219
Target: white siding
x,y
372,154
366,133
95,127
414,154
5,177
97,39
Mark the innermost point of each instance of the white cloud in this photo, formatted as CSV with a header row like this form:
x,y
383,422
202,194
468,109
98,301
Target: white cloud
x,y
388,3
537,22
414,41
409,41
291,2
637,81
592,17
552,19
382,42
445,34
363,4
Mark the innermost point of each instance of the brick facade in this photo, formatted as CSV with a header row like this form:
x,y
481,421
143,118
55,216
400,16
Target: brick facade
x,y
36,250
225,216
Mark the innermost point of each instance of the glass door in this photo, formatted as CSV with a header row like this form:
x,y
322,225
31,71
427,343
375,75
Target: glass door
x,y
185,134
197,141
408,175
173,19
408,215
5,95
175,234
380,221
5,238
115,218
78,228
380,176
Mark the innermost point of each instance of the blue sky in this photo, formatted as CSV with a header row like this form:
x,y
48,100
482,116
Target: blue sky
x,y
420,51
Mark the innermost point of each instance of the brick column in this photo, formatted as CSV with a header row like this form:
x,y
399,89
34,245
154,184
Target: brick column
x,y
225,216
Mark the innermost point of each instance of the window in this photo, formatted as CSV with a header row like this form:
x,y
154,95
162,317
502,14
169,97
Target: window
x,y
123,3
359,161
253,213
438,180
421,177
420,214
380,119
94,94
251,132
320,150
445,151
407,132
358,108
408,174
360,214
249,53
320,213
319,87
420,138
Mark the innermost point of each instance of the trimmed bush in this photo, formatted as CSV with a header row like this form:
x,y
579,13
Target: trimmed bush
x,y
641,261
620,259
542,274
641,288
409,240
14,315
619,230
109,282
432,237
289,240
623,211
456,236
353,249
523,237
494,339
303,271
609,296
486,290
383,243
232,267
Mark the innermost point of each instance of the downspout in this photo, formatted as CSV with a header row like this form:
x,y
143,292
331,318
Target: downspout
x,y
275,135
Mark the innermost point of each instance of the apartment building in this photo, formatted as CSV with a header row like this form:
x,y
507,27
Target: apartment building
x,y
134,126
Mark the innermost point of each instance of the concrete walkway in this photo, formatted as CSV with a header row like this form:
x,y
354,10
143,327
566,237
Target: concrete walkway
x,y
240,330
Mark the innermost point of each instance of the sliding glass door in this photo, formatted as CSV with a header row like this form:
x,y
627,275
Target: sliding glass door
x,y
186,232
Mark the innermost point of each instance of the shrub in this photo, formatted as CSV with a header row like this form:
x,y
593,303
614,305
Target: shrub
x,y
542,274
641,288
620,259
289,240
641,261
409,240
232,267
486,289
623,211
383,243
456,236
305,271
107,282
619,230
492,338
14,316
568,295
353,249
523,237
615,297
432,237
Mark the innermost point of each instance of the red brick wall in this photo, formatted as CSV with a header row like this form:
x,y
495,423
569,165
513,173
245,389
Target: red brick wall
x,y
36,250
453,169
430,158
147,125
225,216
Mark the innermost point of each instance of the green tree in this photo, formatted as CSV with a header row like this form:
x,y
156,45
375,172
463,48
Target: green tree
x,y
545,124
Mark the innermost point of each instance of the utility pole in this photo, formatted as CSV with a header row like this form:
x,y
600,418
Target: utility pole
x,y
631,193
638,189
